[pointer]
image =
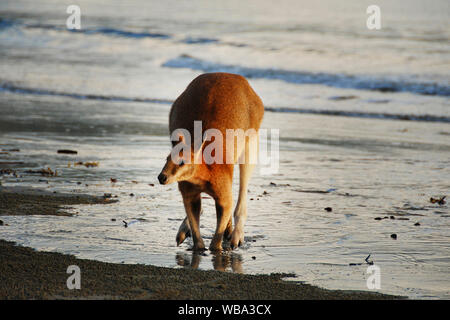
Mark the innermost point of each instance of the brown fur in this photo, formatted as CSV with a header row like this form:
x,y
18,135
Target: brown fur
x,y
221,101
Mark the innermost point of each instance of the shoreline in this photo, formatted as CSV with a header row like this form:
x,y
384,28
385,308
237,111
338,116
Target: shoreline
x,y
29,274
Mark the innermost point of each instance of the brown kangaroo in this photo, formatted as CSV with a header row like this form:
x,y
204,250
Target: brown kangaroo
x,y
221,101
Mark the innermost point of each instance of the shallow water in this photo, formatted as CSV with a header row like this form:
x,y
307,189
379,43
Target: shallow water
x,y
362,168
106,91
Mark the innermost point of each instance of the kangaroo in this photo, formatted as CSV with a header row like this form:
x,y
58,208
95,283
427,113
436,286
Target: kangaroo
x,y
221,101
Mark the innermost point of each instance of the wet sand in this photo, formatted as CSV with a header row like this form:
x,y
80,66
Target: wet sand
x,y
29,274
363,169
28,201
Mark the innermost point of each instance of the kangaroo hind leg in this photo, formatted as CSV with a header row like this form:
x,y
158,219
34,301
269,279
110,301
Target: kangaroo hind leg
x,y
245,171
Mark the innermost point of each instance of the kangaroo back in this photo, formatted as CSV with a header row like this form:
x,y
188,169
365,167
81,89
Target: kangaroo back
x,y
221,101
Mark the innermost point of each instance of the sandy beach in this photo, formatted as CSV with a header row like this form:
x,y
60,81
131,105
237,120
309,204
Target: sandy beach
x,y
29,274
371,174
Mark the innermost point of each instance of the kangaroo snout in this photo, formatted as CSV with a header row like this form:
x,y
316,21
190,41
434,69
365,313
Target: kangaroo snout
x,y
162,178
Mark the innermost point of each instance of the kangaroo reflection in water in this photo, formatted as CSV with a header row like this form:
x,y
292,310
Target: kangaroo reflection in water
x,y
220,261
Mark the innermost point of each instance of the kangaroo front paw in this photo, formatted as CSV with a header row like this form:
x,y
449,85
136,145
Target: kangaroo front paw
x,y
228,232
183,232
237,238
181,236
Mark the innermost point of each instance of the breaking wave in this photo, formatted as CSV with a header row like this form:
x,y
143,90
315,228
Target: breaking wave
x,y
327,79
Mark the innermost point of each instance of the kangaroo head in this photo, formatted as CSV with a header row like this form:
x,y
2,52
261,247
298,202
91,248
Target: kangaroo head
x,y
181,162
